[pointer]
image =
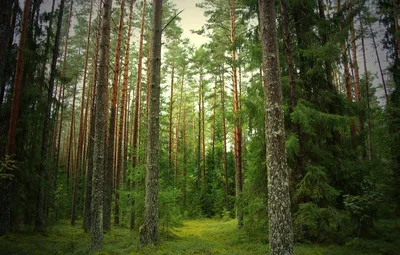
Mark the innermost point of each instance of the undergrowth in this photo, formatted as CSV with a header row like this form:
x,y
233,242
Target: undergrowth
x,y
203,236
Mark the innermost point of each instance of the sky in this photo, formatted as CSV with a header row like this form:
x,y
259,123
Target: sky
x,y
192,19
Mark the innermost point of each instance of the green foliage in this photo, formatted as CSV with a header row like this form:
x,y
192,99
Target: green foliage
x,y
310,118
320,224
204,236
169,211
7,166
315,186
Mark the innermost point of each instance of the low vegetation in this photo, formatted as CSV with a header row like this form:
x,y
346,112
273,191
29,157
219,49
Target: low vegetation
x,y
202,236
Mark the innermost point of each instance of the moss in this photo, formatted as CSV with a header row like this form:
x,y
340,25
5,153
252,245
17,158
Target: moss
x,y
205,236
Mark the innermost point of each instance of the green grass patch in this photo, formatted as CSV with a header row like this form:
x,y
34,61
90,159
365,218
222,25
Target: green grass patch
x,y
204,236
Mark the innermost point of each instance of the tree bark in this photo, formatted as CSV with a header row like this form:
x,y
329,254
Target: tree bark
x,y
280,221
224,157
108,184
12,131
177,128
171,109
346,70
137,113
87,214
355,65
123,117
149,230
366,81
203,145
83,113
237,127
97,235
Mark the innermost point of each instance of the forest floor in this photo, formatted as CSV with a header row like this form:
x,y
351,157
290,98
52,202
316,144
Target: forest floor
x,y
205,236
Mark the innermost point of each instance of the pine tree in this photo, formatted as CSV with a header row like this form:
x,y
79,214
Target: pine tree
x,y
108,184
280,221
100,132
149,230
12,131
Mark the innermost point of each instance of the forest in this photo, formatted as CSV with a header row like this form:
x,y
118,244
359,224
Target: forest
x,y
280,134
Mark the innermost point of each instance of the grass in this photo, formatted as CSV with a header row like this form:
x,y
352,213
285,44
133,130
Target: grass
x,y
205,236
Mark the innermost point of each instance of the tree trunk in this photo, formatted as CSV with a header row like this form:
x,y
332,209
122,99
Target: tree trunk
x,y
149,230
63,89
74,170
183,169
84,110
171,109
237,127
42,170
12,131
198,155
135,138
280,221
366,81
346,70
379,64
87,214
224,158
108,184
355,65
123,116
203,145
177,129
97,235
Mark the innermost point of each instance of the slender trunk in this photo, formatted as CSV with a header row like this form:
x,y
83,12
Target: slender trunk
x,y
83,123
63,88
366,83
203,145
355,66
324,39
148,78
346,70
135,139
84,109
214,122
108,183
99,152
379,64
177,129
149,230
280,220
42,75
87,214
39,224
121,156
224,158
198,155
74,170
183,169
237,127
47,46
292,84
12,131
171,108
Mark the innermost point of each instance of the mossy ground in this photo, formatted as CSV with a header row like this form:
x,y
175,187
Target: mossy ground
x,y
205,236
